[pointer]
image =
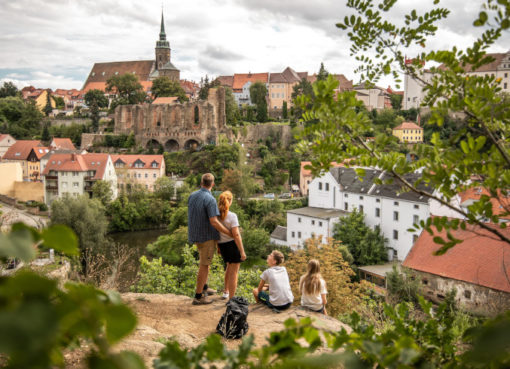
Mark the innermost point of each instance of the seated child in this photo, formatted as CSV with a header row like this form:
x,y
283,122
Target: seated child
x,y
313,288
280,295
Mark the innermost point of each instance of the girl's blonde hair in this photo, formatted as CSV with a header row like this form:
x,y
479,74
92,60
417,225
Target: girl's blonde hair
x,y
311,281
224,202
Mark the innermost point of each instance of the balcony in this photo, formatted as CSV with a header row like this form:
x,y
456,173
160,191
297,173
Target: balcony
x,y
51,177
51,187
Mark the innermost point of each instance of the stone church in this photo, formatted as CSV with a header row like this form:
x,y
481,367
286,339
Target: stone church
x,y
145,70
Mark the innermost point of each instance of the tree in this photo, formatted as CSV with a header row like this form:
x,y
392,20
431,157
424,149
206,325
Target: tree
x,y
285,113
231,108
164,86
323,73
102,190
20,119
9,89
170,247
95,99
87,218
366,246
45,134
303,88
396,101
343,295
127,88
480,156
59,102
255,241
48,108
258,93
164,189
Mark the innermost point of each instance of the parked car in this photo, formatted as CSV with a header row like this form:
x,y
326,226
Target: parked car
x,y
285,195
269,196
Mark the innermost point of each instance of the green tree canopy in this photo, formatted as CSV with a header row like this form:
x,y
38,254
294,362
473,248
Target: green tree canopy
x,y
366,246
231,108
9,89
165,87
95,99
258,93
323,73
128,90
102,190
21,119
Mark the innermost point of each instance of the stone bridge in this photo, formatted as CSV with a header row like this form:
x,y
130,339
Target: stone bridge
x,y
174,126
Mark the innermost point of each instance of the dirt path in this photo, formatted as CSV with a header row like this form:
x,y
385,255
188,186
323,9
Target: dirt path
x,y
11,215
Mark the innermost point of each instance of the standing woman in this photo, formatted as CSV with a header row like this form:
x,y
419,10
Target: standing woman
x,y
313,288
231,248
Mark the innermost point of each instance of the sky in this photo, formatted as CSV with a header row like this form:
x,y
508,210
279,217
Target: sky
x,y
54,43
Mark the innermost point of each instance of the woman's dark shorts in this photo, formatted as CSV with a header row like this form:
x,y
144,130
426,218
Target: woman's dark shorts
x,y
229,252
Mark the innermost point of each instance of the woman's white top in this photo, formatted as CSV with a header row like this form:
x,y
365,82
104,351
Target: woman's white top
x,y
229,222
313,302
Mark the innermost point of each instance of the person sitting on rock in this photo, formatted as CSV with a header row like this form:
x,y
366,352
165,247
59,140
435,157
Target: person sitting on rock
x,y
313,288
280,295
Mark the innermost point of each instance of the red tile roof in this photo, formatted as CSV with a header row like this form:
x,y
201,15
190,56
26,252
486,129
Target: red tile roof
x,y
480,259
408,125
129,160
490,67
62,143
308,172
227,81
20,150
40,151
77,163
102,71
500,204
241,79
343,83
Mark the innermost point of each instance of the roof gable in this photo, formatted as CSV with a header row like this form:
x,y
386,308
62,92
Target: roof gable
x,y
20,150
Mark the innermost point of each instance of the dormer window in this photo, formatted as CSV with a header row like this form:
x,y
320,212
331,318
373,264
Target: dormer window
x,y
154,164
139,164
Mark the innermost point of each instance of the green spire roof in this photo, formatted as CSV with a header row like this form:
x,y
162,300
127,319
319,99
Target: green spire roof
x,y
162,34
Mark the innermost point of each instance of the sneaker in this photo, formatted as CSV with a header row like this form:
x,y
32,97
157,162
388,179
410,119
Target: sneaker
x,y
225,295
209,292
202,301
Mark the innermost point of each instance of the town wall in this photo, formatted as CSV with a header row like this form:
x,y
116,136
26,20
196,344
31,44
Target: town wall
x,y
25,191
10,172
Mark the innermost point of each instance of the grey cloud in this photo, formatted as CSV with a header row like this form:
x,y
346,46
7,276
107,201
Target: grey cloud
x,y
218,52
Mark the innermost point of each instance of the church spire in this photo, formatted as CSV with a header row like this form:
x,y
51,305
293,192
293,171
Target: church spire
x,y
162,34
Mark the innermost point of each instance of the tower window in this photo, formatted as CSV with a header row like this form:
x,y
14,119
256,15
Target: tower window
x,y
197,115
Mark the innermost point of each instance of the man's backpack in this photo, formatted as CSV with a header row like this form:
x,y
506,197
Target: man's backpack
x,y
233,324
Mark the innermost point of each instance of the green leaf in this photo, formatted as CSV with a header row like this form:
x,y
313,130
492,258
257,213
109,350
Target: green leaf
x,y
214,347
18,244
120,321
60,238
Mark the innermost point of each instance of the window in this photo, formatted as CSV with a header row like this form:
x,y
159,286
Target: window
x,y
505,85
416,219
75,184
378,212
154,175
395,234
395,216
416,206
313,222
320,185
395,203
293,234
327,186
361,197
395,254
320,224
361,208
299,235
377,200
64,184
146,175
346,195
346,206
299,220
425,281
415,238
467,294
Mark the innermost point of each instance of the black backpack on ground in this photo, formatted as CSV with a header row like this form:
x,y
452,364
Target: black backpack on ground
x,y
233,324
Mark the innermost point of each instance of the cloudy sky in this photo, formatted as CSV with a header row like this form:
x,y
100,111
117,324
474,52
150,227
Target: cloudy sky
x,y
54,43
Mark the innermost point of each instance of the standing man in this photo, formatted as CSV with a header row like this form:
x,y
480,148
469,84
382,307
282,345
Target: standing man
x,y
203,230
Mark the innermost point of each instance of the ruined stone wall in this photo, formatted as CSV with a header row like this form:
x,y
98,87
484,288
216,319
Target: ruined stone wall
x,y
174,126
250,135
474,298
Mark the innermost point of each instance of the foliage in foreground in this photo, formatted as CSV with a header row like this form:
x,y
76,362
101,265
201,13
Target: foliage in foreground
x,y
156,277
38,320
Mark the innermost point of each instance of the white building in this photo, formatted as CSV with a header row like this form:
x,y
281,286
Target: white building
x,y
340,190
75,174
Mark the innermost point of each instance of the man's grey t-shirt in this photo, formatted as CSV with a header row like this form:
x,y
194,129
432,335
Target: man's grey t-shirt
x,y
202,206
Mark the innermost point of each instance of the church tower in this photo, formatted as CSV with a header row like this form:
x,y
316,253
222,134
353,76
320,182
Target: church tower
x,y
162,47
163,66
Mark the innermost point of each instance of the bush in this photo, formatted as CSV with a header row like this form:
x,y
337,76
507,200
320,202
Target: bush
x,y
402,286
156,277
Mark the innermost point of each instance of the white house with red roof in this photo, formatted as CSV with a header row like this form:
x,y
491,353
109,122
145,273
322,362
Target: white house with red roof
x,y
478,268
138,170
75,174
